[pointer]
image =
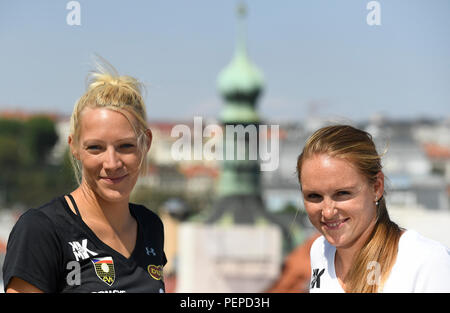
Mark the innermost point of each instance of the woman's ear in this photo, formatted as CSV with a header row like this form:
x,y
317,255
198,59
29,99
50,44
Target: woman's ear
x,y
379,185
149,135
73,150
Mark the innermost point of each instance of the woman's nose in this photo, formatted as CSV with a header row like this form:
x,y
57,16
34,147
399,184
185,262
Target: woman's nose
x,y
329,210
112,159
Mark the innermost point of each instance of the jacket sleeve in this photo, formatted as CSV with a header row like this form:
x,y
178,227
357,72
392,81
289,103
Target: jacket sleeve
x,y
33,252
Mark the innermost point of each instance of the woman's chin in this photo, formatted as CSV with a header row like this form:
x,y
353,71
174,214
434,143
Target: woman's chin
x,y
335,240
111,195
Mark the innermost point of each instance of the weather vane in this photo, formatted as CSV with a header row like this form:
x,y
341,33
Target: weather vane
x,y
242,9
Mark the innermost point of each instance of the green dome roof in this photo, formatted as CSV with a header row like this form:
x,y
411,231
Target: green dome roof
x,y
240,75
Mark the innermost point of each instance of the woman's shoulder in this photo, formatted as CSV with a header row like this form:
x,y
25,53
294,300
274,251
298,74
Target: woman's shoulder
x,y
415,244
36,226
50,217
420,252
44,214
422,265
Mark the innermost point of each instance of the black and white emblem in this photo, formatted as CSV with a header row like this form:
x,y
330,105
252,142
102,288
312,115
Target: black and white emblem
x,y
315,283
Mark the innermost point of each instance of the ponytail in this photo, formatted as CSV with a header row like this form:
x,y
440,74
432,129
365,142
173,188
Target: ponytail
x,y
378,254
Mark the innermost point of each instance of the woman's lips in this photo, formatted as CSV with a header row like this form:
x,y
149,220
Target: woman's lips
x,y
336,224
113,180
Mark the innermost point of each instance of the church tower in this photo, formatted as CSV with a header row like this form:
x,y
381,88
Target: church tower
x,y
239,248
240,84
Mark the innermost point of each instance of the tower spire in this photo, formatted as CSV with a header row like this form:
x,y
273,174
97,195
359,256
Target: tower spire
x,y
240,83
241,12
239,187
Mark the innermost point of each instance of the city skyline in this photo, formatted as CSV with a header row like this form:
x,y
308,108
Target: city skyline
x,y
318,57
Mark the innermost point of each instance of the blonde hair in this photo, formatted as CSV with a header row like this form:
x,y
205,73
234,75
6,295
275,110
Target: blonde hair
x,y
357,147
107,89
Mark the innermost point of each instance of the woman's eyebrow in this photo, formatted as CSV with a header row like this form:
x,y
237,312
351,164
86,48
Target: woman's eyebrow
x,y
127,139
347,187
350,187
95,140
344,187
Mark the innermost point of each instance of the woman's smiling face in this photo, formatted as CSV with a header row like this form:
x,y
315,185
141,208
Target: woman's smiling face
x,y
107,149
339,200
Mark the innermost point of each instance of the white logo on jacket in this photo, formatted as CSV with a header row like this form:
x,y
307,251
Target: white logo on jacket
x,y
81,250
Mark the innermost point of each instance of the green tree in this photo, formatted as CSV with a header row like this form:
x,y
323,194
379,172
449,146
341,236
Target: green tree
x,y
11,127
26,178
9,152
39,137
9,164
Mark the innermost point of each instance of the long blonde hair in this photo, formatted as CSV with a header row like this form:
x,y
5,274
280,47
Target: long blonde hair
x,y
357,147
107,89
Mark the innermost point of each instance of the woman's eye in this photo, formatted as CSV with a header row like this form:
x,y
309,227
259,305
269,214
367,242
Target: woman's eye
x,y
94,147
343,195
313,196
126,146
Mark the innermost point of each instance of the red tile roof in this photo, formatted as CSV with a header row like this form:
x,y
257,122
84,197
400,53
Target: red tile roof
x,y
22,115
199,170
436,151
2,247
297,270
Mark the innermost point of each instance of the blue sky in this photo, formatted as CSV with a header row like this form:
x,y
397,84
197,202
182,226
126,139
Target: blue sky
x,y
319,52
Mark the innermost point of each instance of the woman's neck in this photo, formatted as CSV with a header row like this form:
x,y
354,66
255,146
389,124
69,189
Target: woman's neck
x,y
95,208
346,255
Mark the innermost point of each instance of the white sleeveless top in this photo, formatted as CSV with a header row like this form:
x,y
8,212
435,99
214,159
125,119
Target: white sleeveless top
x,y
422,265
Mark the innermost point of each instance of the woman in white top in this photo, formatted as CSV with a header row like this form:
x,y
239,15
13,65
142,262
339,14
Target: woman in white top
x,y
361,249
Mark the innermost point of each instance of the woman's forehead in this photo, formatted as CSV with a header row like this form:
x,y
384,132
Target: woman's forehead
x,y
324,169
102,121
105,114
